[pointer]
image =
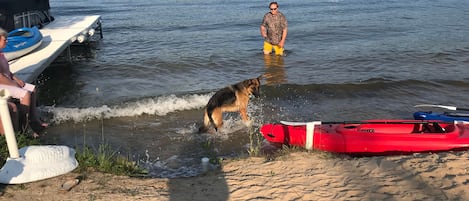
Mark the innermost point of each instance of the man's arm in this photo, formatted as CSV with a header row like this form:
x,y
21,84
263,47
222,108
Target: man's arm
x,y
263,31
284,37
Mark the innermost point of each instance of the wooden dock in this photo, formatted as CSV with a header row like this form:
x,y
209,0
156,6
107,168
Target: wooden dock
x,y
57,37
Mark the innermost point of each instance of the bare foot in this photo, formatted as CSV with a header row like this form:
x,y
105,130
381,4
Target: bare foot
x,y
38,126
44,124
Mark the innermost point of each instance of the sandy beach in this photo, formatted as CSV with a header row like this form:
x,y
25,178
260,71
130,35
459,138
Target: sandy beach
x,y
296,176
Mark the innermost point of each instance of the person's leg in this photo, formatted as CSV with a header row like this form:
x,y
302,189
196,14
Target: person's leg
x,y
267,47
34,122
34,117
2,131
14,116
21,105
27,107
278,50
30,115
24,108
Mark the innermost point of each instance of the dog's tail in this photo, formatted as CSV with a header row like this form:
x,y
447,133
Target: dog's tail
x,y
209,114
205,125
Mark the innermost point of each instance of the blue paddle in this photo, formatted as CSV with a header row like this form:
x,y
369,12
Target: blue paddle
x,y
443,106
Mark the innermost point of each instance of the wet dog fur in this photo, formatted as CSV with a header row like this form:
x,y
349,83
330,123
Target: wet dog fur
x,y
233,98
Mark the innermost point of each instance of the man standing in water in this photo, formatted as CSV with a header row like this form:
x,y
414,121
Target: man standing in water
x,y
274,30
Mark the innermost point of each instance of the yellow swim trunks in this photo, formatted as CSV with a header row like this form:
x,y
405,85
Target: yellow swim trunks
x,y
268,48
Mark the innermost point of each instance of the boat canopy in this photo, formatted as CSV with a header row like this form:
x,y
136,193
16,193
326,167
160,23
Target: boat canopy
x,y
16,14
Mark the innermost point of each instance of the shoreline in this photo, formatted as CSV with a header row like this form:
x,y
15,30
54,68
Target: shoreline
x,y
294,176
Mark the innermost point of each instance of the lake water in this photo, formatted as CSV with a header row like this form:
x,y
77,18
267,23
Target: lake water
x,y
142,88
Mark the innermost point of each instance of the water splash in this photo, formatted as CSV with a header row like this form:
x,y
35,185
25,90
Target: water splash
x,y
160,106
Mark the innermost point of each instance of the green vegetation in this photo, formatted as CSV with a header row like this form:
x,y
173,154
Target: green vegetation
x,y
255,143
22,140
208,152
104,159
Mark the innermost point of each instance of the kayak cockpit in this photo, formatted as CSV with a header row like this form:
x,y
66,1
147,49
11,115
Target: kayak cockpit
x,y
397,128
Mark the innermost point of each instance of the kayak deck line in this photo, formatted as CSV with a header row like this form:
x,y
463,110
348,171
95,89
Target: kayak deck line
x,y
57,37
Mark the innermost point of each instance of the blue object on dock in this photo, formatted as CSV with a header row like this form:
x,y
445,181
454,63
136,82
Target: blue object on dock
x,y
21,42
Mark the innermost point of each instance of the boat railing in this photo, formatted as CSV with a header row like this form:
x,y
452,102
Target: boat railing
x,y
31,18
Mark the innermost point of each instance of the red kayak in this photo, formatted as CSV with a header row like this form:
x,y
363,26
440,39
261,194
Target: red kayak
x,y
372,137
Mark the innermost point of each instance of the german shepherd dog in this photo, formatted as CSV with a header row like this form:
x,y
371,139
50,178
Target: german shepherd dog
x,y
233,98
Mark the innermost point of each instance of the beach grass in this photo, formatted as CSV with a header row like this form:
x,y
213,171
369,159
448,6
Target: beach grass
x,y
104,159
22,141
255,143
107,160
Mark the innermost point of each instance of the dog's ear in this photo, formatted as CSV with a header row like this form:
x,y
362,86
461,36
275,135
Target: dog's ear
x,y
247,82
260,77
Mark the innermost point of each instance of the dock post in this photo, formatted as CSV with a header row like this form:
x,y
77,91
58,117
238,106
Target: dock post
x,y
7,125
100,27
69,54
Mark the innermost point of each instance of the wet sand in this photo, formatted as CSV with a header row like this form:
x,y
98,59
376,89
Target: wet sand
x,y
296,176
